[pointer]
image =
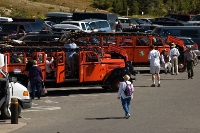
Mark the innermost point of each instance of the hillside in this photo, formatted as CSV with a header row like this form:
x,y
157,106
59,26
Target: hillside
x,y
38,8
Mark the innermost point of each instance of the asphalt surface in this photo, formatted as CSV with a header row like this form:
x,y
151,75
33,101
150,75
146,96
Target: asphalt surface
x,y
172,108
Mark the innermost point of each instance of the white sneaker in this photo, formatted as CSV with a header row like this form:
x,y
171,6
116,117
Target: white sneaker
x,y
128,115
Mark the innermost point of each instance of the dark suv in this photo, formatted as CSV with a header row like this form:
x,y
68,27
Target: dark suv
x,y
15,30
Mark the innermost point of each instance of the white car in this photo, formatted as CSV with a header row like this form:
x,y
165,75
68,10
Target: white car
x,y
10,89
84,26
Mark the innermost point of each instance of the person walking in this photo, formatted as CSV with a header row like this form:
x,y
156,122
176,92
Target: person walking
x,y
70,55
174,53
124,98
35,77
189,58
165,61
154,58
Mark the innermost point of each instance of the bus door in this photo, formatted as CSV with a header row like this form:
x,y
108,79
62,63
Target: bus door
x,y
41,59
141,50
16,62
91,68
60,67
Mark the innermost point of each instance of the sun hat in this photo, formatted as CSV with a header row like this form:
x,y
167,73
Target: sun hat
x,y
173,45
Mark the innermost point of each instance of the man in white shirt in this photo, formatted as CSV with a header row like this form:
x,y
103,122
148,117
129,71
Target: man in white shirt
x,y
174,53
154,58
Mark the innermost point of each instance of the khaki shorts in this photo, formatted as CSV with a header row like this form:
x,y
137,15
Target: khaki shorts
x,y
154,69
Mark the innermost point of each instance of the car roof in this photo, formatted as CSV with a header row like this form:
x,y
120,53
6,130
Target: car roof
x,y
92,20
179,27
59,14
73,21
6,19
181,37
123,18
146,18
65,26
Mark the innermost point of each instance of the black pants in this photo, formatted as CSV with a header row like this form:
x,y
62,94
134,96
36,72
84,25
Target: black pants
x,y
190,67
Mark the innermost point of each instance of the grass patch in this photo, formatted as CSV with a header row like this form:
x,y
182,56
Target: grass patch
x,y
30,8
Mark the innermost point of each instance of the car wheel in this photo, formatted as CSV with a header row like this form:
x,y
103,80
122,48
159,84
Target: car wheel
x,y
6,114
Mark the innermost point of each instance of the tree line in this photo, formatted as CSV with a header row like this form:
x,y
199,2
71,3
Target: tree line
x,y
148,7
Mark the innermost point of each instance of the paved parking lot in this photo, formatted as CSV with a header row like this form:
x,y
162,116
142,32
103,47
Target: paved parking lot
x,y
172,108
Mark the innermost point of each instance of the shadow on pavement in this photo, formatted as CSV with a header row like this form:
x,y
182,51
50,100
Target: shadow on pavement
x,y
143,86
173,79
53,93
104,118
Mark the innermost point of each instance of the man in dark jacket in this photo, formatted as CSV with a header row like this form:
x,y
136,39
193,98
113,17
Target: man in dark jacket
x,y
35,77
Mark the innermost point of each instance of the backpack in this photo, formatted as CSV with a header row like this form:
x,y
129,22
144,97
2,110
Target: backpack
x,y
128,90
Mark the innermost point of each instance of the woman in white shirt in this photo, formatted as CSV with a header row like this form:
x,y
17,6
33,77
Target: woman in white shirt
x,y
125,99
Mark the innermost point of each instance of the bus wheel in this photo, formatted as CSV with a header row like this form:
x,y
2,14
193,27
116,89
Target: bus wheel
x,y
181,67
115,83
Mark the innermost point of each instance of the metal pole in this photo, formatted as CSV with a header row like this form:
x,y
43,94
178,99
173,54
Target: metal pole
x,y
6,63
14,111
127,11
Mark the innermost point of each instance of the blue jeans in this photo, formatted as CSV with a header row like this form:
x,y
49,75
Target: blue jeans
x,y
126,105
36,86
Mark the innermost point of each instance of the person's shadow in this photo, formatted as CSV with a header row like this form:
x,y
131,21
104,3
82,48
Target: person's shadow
x,y
104,118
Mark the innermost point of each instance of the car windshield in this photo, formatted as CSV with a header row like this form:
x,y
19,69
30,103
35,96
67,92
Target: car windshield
x,y
196,18
156,31
139,21
189,42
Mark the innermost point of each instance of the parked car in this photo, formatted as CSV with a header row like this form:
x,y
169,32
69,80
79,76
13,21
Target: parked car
x,y
100,25
12,89
5,19
63,28
36,20
15,30
180,17
147,20
84,26
189,42
180,31
110,17
126,22
58,17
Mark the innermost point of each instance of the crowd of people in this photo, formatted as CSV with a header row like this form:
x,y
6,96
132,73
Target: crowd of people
x,y
166,59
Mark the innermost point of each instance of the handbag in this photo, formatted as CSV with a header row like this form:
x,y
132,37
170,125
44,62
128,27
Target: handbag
x,y
29,87
43,90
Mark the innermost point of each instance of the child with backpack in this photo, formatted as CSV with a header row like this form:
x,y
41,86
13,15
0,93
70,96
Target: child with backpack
x,y
125,93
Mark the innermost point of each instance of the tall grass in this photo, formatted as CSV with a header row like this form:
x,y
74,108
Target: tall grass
x,y
38,8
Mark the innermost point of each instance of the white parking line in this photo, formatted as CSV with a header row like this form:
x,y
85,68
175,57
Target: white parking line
x,y
41,108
